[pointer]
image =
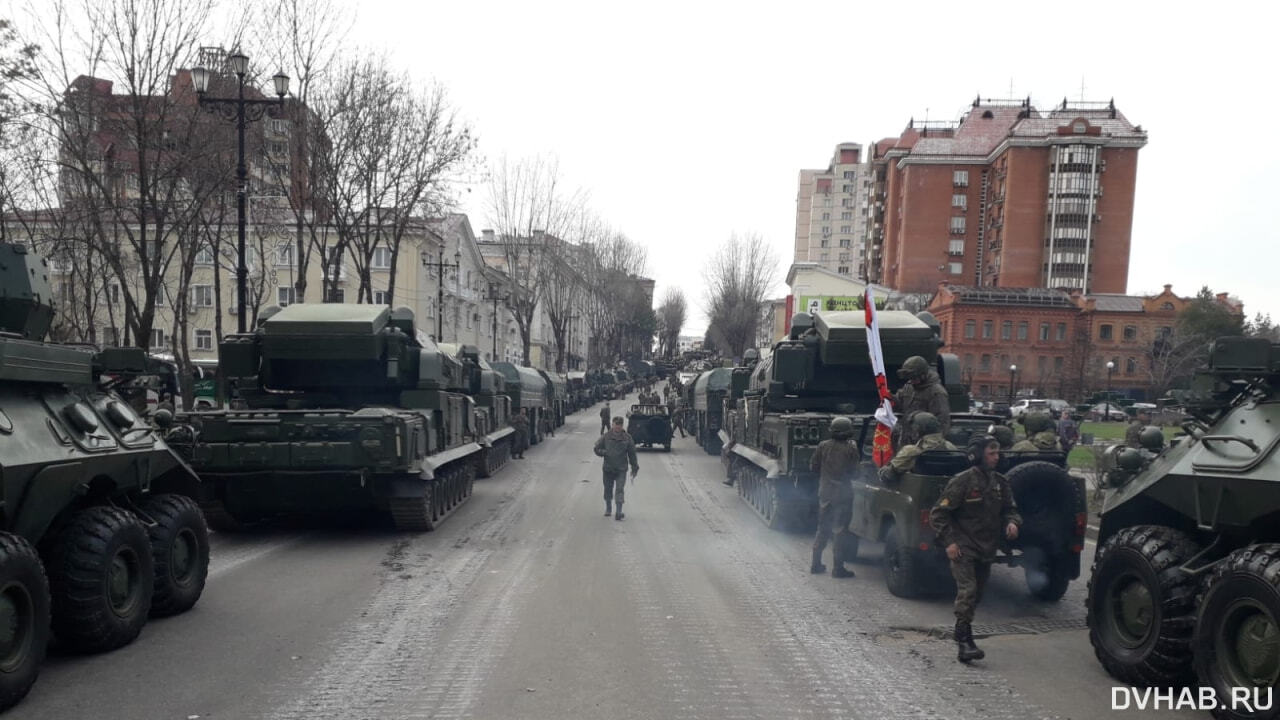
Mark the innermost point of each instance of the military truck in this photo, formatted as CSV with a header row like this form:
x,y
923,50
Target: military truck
x,y
708,395
650,425
821,370
557,394
492,407
579,391
98,528
1052,503
1186,580
528,391
348,408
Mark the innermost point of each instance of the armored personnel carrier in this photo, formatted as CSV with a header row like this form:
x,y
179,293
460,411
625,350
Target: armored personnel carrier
x,y
348,408
492,407
708,395
1186,580
528,391
820,371
98,528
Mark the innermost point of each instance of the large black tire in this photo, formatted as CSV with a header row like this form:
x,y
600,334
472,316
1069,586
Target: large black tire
x,y
1235,642
1141,606
100,579
179,552
24,617
1047,501
901,575
1047,577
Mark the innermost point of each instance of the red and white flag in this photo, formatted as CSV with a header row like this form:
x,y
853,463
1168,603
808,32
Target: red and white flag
x,y
882,444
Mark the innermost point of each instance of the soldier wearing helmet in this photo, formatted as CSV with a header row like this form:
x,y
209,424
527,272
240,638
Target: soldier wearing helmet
x,y
1003,435
922,393
927,427
1041,435
835,461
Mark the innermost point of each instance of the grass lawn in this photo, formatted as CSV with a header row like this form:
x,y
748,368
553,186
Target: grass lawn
x,y
1104,433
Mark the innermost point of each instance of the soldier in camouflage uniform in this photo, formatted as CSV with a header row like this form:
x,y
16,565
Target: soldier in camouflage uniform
x,y
835,461
1133,433
904,461
1003,435
520,421
1041,435
922,393
975,510
604,419
618,450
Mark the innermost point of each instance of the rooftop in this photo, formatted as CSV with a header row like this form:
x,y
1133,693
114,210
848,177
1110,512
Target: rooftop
x,y
1030,297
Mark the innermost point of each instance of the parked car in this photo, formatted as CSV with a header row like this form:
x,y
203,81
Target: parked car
x,y
1026,405
998,407
1057,407
1101,412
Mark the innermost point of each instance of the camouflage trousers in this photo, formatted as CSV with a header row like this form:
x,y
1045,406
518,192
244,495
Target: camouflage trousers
x,y
612,493
604,426
971,579
833,518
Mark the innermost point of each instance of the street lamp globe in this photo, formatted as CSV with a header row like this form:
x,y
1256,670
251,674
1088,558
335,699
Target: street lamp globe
x,y
1110,366
239,63
200,79
1013,368
282,84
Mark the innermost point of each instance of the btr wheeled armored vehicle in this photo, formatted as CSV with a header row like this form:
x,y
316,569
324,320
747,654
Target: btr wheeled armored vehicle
x,y
650,425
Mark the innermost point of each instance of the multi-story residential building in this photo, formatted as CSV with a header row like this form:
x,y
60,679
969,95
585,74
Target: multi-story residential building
x,y
1010,196
831,214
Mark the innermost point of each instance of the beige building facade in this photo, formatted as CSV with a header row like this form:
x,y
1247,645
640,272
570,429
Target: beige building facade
x,y
831,213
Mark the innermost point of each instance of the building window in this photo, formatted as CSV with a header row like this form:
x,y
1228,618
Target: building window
x,y
204,256
1006,330
336,295
843,269
846,215
957,225
970,329
960,178
826,231
960,200
1167,306
1104,332
988,330
1130,366
844,257
1165,331
286,296
955,268
280,127
1022,330
984,390
284,254
202,295
844,242
204,339
1062,331
113,293
826,216
1130,333
825,243
968,361
825,257
157,339
110,336
848,174
955,247
1057,364
846,229
381,297
1042,365
381,258
986,363
1044,331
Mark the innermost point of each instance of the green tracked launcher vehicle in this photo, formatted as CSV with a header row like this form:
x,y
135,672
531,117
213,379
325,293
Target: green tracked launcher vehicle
x,y
529,392
487,388
1185,585
349,408
98,528
820,371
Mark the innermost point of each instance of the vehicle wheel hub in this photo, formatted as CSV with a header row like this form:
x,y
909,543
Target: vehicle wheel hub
x,y
16,618
1134,610
1251,643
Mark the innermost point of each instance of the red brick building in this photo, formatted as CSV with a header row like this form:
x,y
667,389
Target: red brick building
x,y
1059,341
1009,196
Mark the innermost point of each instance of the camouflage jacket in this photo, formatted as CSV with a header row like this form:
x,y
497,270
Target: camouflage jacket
x,y
835,462
1043,441
604,413
520,423
973,511
930,397
1133,435
905,459
618,449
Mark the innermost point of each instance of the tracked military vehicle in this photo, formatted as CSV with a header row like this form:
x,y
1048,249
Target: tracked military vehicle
x,y
820,371
348,408
708,393
1186,580
98,528
492,408
528,391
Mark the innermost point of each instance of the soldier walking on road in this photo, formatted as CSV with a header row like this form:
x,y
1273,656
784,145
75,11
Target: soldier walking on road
x,y
618,450
922,393
520,422
835,461
975,510
604,419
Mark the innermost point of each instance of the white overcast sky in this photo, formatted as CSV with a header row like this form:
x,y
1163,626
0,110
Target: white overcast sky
x,y
686,121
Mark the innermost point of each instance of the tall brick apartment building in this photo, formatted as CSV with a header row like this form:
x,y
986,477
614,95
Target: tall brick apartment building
x,y
1010,196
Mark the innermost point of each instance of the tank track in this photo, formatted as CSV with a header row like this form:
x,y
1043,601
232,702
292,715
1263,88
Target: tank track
x,y
771,498
445,493
495,458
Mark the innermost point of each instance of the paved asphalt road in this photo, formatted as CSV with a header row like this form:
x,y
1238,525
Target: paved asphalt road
x,y
528,603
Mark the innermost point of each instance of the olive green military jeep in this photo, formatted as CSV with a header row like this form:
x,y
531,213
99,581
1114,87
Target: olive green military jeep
x,y
1051,501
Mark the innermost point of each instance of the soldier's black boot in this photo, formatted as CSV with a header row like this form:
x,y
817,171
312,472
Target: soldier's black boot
x,y
618,515
608,508
967,650
838,570
817,568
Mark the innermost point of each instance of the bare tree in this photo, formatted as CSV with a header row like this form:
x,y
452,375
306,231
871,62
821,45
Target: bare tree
x,y
739,278
671,316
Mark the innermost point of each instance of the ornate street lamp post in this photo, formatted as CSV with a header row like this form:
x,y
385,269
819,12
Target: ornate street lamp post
x,y
1111,367
243,110
1013,369
494,294
440,265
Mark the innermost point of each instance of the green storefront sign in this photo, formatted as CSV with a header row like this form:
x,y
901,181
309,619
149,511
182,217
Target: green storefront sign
x,y
831,303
